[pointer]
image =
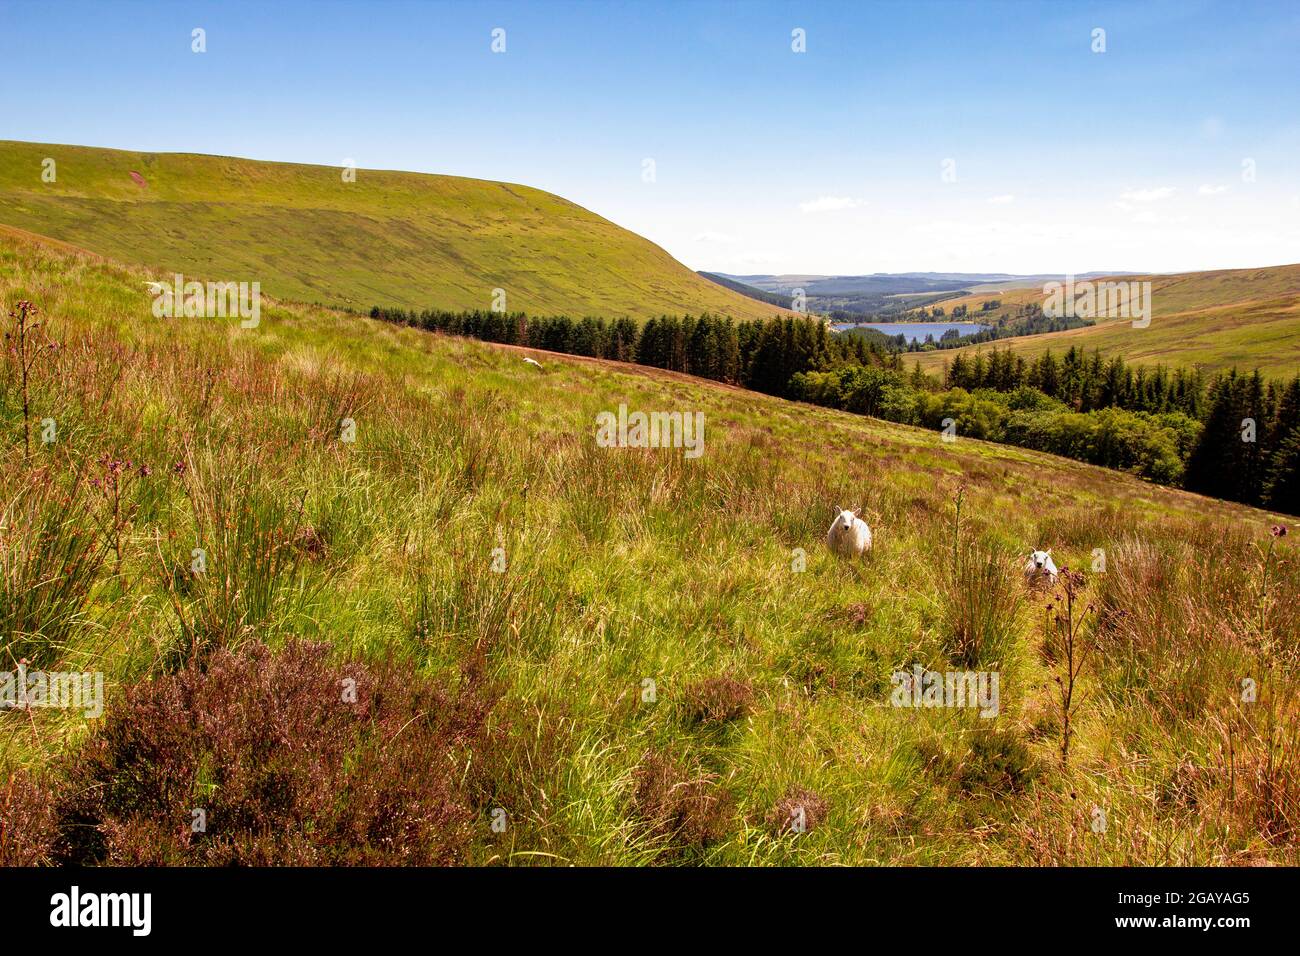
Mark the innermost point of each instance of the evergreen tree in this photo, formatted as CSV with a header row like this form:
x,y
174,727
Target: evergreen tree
x,y
1282,485
1219,462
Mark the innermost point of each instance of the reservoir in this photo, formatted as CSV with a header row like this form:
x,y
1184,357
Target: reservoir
x,y
913,331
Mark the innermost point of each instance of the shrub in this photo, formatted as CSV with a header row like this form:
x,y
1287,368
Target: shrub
x,y
798,811
973,417
27,822
287,757
683,808
986,761
717,700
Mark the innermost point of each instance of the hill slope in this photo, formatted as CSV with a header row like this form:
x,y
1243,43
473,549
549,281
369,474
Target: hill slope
x,y
1243,317
780,300
395,238
672,678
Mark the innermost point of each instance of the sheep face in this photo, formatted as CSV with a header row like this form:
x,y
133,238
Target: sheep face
x,y
849,534
1041,563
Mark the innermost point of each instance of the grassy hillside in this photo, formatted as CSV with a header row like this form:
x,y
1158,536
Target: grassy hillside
x,y
1244,317
782,300
392,238
771,679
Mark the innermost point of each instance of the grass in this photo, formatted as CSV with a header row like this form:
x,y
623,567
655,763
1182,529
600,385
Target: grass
x,y
388,238
49,562
675,690
1248,318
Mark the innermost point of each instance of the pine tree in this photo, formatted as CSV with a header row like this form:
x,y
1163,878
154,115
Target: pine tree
x,y
1282,485
1218,464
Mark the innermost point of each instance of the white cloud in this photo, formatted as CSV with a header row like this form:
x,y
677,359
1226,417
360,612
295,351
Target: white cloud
x,y
831,204
1003,199
1208,190
1148,195
714,237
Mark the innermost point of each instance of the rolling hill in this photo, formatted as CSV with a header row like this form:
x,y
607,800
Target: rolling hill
x,y
879,295
1215,320
665,664
389,238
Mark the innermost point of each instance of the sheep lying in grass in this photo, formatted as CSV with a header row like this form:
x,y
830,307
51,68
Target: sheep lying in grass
x,y
1040,566
849,535
532,361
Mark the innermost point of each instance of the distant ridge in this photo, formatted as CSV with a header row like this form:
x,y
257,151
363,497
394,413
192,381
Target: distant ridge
x,y
771,298
1249,318
854,297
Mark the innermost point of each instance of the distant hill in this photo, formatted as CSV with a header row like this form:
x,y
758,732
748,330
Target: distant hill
x,y
894,282
882,293
753,292
1244,317
389,238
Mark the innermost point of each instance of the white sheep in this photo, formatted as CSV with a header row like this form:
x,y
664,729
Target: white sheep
x,y
1040,565
532,361
849,535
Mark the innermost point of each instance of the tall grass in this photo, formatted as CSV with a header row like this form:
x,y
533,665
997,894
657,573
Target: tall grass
x,y
242,578
980,599
50,562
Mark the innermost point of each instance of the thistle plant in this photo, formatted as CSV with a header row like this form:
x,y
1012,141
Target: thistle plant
x,y
25,346
1065,623
114,483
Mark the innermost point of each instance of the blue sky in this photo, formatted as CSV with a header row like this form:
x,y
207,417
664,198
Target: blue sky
x,y
765,160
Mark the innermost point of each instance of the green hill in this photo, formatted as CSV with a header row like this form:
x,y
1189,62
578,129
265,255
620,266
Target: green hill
x,y
1244,317
636,657
780,300
389,238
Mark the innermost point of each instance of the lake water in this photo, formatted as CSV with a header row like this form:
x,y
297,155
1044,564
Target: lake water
x,y
914,331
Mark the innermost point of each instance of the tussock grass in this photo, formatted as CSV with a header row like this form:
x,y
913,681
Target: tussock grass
x,y
50,563
242,579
